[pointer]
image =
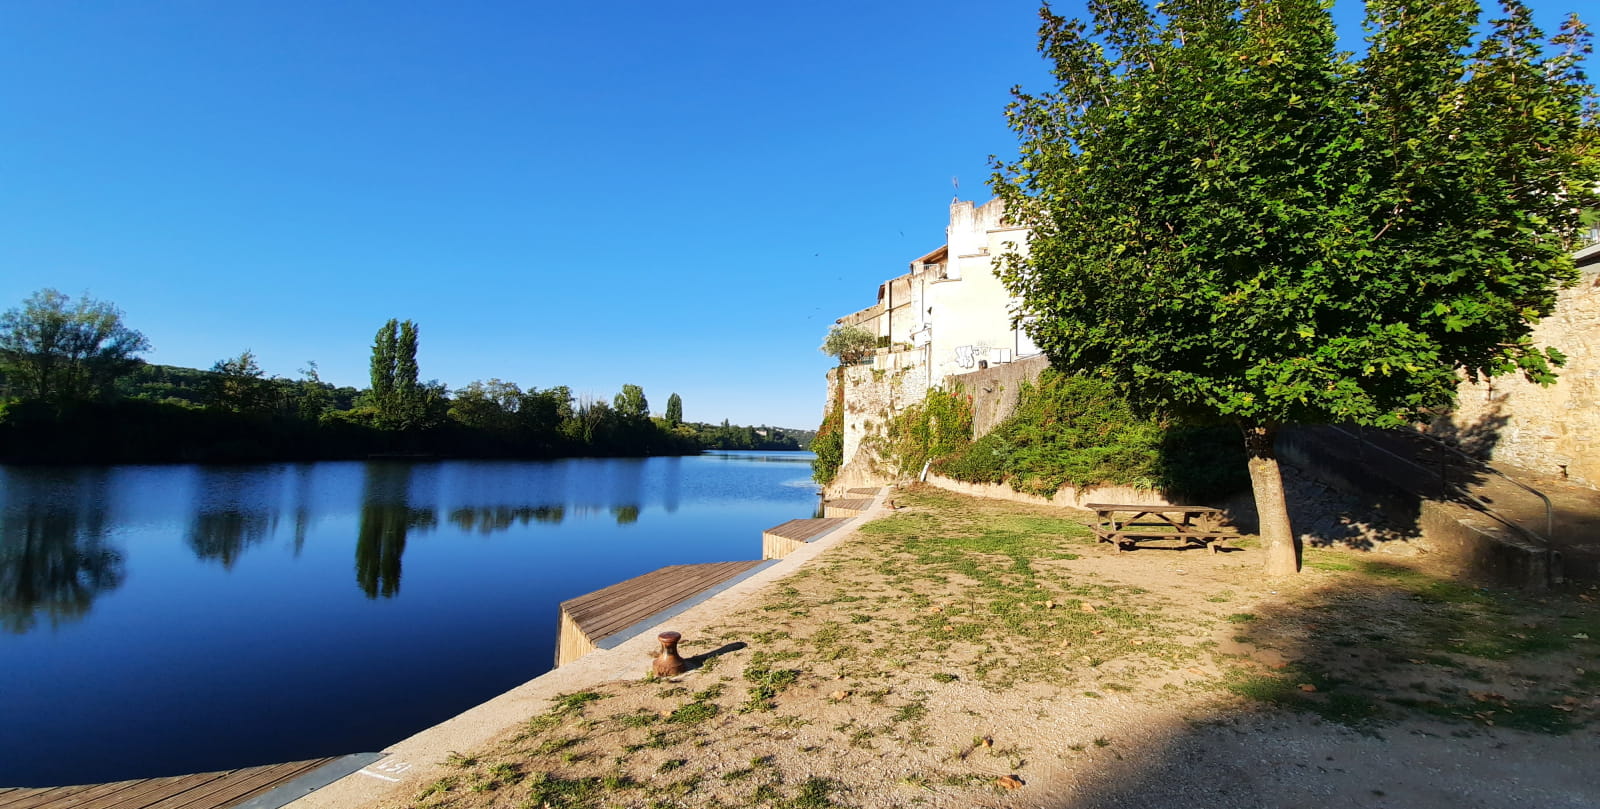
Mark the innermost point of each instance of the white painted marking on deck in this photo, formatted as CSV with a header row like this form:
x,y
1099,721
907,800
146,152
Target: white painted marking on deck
x,y
395,767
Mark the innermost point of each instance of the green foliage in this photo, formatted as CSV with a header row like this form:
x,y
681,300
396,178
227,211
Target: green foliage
x,y
249,416
238,385
630,405
1071,430
55,349
398,401
849,344
736,437
1231,217
829,443
674,410
937,427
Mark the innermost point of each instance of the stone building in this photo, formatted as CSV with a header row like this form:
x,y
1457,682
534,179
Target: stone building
x,y
947,316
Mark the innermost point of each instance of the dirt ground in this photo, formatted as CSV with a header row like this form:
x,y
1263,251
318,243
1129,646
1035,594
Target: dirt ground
x,y
965,652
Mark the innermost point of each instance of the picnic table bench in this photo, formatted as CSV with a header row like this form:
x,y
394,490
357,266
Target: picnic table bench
x,y
1190,525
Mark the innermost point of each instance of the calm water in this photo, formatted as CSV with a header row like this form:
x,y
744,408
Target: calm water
x,y
163,620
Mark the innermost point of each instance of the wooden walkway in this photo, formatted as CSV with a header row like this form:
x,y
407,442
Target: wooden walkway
x,y
865,491
604,618
846,508
211,790
781,540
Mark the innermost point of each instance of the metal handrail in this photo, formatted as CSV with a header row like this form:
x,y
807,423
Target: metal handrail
x,y
1549,507
1444,481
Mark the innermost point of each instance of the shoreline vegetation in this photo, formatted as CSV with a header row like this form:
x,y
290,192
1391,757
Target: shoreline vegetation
x,y
73,390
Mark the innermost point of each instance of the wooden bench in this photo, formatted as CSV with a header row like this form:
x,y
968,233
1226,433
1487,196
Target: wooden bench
x,y
1190,525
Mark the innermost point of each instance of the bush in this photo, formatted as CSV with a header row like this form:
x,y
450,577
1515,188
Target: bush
x,y
829,441
1069,430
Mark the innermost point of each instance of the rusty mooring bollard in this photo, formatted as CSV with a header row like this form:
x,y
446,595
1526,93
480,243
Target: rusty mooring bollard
x,y
668,663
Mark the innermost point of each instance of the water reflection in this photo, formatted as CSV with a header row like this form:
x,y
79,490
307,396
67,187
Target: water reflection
x,y
386,519
54,555
98,700
492,519
302,507
672,494
234,509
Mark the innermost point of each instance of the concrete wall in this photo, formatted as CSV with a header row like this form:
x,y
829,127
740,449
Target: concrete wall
x,y
994,390
1554,430
1065,497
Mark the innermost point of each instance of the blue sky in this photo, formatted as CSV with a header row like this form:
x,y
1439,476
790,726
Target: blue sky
x,y
680,196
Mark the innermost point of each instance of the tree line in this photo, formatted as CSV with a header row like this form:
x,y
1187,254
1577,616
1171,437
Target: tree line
x,y
73,389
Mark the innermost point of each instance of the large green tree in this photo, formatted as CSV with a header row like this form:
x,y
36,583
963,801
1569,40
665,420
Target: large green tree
x,y
57,349
1233,219
674,413
399,400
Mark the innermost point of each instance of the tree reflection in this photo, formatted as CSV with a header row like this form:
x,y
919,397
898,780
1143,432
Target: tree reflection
x,y
386,519
626,515
51,565
490,519
223,535
234,509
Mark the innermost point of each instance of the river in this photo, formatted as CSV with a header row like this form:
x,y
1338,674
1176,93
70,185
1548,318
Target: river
x,y
157,620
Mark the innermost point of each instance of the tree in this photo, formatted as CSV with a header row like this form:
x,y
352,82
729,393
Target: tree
x,y
383,351
630,405
1232,220
849,344
400,401
237,385
409,406
313,398
674,410
55,349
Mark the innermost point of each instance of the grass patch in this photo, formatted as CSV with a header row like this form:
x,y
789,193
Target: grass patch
x,y
693,713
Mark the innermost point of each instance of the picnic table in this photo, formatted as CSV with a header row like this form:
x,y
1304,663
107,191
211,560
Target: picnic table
x,y
1127,525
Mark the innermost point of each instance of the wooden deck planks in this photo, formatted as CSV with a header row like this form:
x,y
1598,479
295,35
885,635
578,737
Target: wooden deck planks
x,y
589,619
213,790
869,491
238,787
846,508
783,539
806,530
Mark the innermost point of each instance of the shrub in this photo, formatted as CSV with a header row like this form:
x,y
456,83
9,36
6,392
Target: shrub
x,y
1070,430
829,441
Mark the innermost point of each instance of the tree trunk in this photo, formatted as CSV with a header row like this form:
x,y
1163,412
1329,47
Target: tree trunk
x,y
1266,483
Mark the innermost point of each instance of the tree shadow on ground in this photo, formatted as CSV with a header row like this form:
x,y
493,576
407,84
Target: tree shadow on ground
x,y
1364,488
1387,686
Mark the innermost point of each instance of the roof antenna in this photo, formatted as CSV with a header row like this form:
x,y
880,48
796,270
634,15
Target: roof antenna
x,y
955,182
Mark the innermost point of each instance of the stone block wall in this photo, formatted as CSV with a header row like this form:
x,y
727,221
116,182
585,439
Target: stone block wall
x,y
1553,430
875,393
